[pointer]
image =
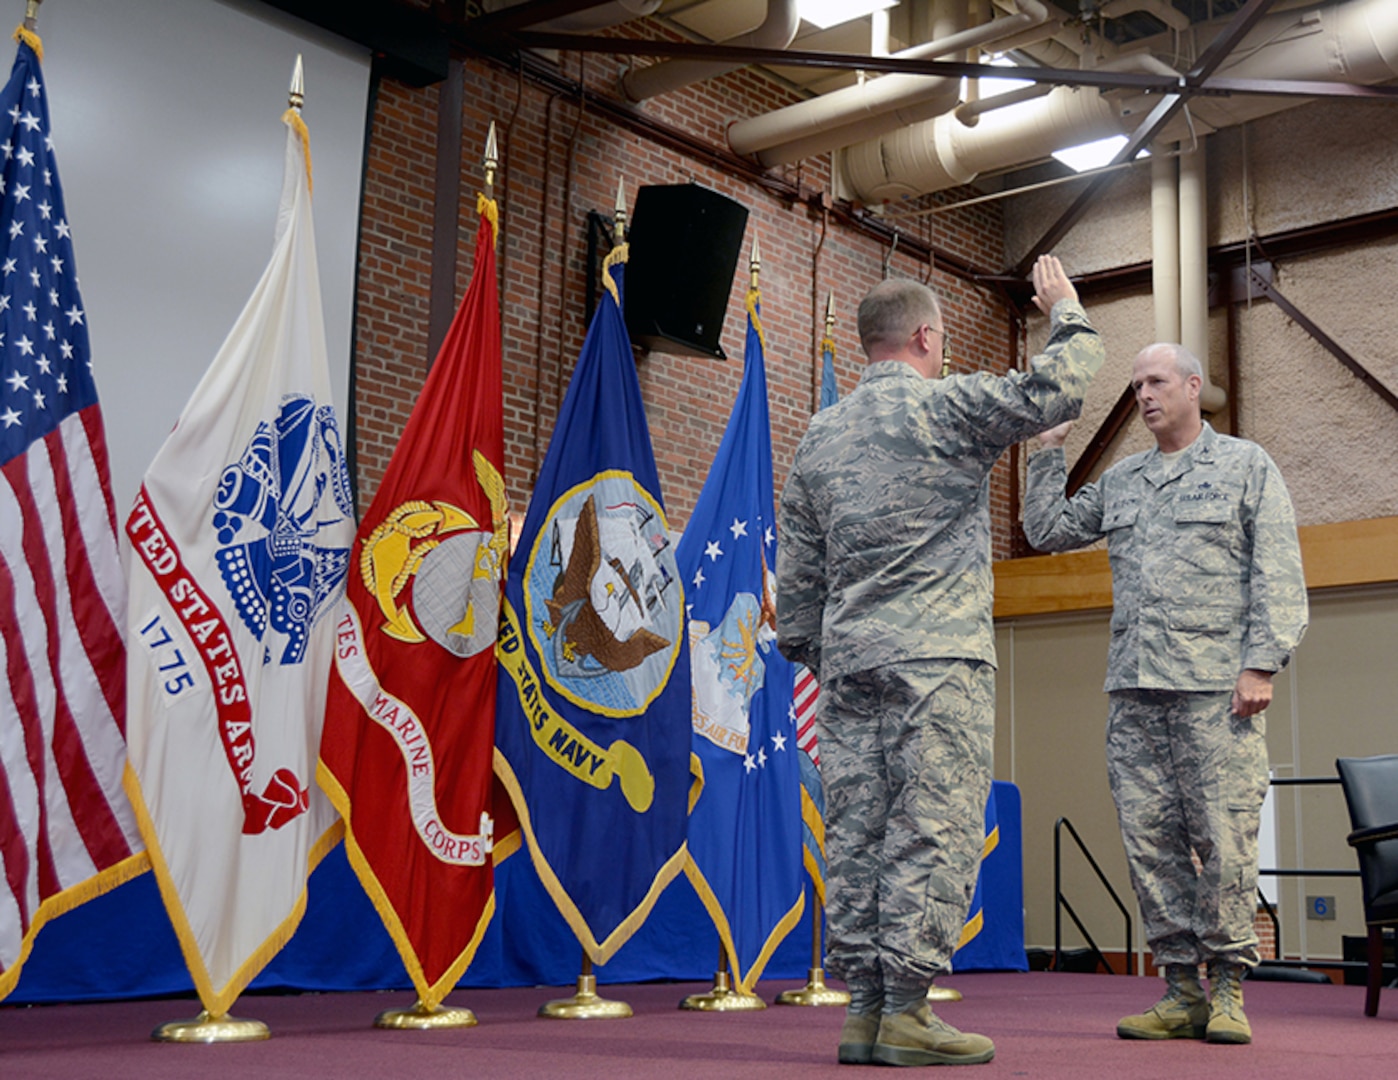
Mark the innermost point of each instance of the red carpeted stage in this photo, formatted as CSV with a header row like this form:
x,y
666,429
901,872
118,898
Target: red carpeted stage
x,y
1045,1025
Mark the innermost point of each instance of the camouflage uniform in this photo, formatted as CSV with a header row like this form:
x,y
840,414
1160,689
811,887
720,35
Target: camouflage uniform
x,y
884,591
1206,581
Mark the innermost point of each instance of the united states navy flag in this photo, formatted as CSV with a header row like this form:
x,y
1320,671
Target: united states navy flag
x,y
592,721
745,836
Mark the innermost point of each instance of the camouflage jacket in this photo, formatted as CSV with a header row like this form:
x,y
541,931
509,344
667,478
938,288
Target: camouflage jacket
x,y
1206,566
884,550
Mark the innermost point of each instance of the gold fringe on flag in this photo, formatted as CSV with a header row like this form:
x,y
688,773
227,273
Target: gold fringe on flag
x,y
292,117
28,37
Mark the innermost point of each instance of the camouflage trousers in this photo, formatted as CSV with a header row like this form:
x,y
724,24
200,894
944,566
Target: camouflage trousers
x,y
1189,776
905,756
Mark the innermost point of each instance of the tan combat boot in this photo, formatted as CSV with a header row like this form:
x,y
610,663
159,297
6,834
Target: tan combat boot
x,y
857,1038
1227,1022
1183,1013
920,1037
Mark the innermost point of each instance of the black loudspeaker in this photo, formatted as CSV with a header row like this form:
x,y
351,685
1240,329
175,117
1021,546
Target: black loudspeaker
x,y
685,242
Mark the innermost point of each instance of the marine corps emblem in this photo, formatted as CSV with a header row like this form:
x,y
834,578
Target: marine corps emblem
x,y
602,595
454,565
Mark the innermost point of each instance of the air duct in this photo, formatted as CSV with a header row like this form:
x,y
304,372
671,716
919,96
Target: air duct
x,y
776,31
1355,40
873,107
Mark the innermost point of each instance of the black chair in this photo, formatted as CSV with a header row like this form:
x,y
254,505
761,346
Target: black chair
x,y
1371,790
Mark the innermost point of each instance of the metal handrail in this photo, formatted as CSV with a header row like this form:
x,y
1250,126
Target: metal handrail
x,y
1060,902
1297,781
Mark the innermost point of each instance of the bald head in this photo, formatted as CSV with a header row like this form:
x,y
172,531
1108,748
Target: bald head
x,y
1184,361
892,312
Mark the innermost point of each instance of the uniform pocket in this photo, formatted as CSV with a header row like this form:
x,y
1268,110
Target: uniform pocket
x,y
1245,783
1119,516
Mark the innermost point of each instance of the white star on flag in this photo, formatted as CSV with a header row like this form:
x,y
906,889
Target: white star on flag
x,y
713,551
738,528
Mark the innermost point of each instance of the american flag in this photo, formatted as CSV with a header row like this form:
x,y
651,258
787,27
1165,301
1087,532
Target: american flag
x,y
805,694
66,827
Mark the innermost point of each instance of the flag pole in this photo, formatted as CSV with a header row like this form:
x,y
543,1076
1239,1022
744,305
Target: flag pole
x,y
440,1017
585,1004
206,1027
31,15
722,997
816,992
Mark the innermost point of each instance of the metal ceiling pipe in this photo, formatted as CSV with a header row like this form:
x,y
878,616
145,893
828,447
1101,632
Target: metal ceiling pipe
x,y
1165,242
873,107
1354,40
945,153
776,31
1194,269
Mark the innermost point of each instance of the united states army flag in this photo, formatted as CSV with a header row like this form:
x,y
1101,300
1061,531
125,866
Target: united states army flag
x,y
239,542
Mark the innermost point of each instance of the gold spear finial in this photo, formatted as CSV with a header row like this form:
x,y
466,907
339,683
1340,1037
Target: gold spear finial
x,y
31,15
492,161
830,314
755,262
297,97
620,219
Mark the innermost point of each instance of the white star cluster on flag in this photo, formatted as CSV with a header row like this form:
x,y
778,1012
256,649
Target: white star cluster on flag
x,y
43,332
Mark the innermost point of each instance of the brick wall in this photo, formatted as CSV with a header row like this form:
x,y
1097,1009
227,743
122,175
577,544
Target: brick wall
x,y
559,162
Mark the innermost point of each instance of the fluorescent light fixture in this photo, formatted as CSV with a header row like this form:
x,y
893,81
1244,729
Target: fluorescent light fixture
x,y
991,87
1093,155
827,13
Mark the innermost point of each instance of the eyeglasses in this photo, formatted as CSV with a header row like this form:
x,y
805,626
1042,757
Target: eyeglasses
x,y
946,345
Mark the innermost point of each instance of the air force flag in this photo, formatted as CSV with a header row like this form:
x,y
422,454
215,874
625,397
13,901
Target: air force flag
x,y
745,835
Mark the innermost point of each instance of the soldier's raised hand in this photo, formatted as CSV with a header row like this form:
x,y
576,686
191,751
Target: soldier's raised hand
x,y
1051,284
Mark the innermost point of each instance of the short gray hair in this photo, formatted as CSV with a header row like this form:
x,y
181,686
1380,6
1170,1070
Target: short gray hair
x,y
1186,363
893,309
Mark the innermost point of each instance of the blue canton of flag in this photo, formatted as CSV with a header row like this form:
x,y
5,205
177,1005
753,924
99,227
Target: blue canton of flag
x,y
45,333
745,831
592,714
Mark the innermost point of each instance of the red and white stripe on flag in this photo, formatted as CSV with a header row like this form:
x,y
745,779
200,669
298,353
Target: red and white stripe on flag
x,y
805,697
67,832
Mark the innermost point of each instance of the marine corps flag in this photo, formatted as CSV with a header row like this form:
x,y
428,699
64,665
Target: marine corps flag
x,y
67,833
240,540
410,723
592,726
745,834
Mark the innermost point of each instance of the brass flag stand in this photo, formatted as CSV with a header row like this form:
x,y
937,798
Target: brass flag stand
x,y
815,992
421,1018
585,1004
205,1028
723,997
